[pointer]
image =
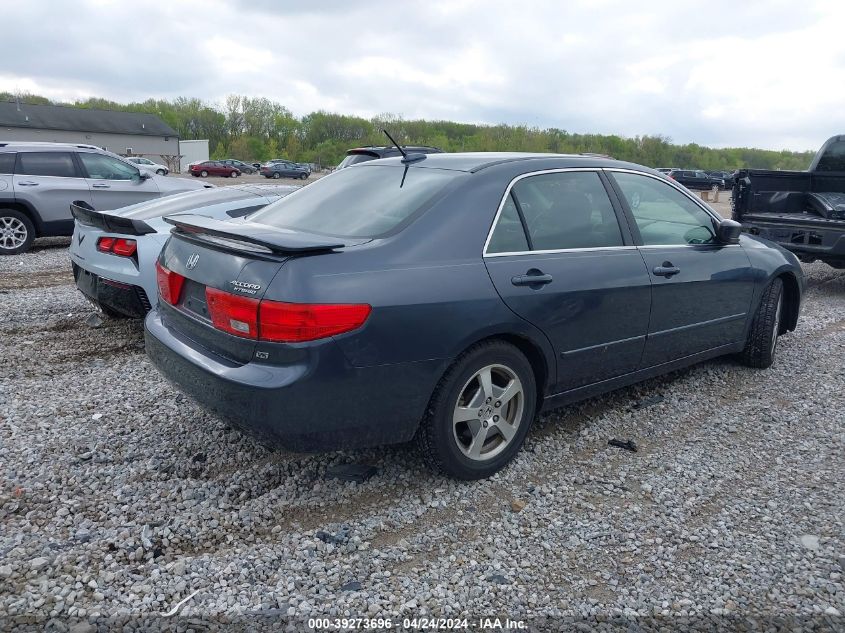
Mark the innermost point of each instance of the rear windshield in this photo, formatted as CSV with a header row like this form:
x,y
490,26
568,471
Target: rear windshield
x,y
365,202
833,158
188,201
354,159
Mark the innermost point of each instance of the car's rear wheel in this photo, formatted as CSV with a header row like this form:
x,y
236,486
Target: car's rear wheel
x,y
480,412
16,232
276,175
762,340
204,174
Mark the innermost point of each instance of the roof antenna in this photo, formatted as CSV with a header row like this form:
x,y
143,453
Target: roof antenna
x,y
406,157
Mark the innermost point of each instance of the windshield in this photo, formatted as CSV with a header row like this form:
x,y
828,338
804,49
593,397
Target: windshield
x,y
187,201
354,159
365,202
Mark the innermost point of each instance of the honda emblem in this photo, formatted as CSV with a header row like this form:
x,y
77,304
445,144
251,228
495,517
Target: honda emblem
x,y
192,261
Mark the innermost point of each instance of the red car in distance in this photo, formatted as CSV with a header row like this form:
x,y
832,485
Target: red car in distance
x,y
214,168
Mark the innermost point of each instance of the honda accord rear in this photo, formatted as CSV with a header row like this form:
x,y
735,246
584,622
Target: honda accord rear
x,y
450,297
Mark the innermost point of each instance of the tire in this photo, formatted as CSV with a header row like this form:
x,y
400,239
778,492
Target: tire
x,y
276,175
161,172
16,232
763,337
448,446
234,174
304,177
204,174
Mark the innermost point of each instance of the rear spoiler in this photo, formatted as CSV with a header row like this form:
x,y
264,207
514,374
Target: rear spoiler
x,y
272,239
85,214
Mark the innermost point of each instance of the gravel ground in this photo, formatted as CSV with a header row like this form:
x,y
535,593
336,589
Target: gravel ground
x,y
118,496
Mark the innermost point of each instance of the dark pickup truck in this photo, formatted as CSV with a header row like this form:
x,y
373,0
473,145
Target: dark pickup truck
x,y
803,211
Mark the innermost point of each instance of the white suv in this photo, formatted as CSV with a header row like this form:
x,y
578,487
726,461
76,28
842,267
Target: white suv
x,y
38,182
146,163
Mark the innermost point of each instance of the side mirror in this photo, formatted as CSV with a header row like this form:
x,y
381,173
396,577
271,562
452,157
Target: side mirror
x,y
728,232
144,175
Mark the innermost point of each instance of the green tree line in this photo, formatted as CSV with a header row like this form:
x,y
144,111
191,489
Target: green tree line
x,y
258,129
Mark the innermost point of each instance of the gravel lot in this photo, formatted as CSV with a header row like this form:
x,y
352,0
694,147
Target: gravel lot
x,y
119,496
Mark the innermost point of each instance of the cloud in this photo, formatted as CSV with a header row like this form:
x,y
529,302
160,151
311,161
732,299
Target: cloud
x,y
721,73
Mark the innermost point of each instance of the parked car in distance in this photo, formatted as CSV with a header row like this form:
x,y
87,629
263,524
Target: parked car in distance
x,y
364,310
244,168
38,182
146,163
364,154
803,211
213,168
284,169
726,177
695,179
113,254
666,170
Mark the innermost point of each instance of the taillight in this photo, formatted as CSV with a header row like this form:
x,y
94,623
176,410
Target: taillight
x,y
298,322
232,313
280,322
117,246
105,244
169,284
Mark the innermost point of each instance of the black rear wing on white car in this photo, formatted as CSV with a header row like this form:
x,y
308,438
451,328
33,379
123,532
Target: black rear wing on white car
x,y
85,214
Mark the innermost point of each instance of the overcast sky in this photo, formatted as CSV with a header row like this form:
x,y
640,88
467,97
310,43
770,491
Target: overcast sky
x,y
734,73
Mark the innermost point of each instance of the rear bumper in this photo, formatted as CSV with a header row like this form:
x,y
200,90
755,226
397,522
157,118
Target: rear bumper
x,y
317,402
127,299
824,240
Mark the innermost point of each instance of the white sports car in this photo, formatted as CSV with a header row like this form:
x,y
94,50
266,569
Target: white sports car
x,y
113,253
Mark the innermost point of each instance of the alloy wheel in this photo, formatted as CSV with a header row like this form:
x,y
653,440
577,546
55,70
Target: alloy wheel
x,y
13,233
488,412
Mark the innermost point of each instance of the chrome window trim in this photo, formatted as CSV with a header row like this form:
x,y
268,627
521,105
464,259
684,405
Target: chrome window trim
x,y
564,250
542,172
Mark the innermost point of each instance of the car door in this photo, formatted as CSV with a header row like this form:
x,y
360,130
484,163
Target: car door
x,y
560,259
701,289
114,183
48,182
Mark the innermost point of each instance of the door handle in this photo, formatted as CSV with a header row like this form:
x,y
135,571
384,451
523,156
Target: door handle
x,y
537,278
666,270
27,183
101,185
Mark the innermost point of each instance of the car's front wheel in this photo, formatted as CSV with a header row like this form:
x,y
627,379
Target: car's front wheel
x,y
762,340
480,412
160,172
16,232
304,177
234,174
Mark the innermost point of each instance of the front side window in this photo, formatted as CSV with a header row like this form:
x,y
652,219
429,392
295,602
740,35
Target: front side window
x,y
46,164
664,215
106,167
366,202
567,210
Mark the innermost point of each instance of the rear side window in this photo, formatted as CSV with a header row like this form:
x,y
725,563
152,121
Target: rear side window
x,y
509,236
834,158
366,202
563,211
7,163
46,164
